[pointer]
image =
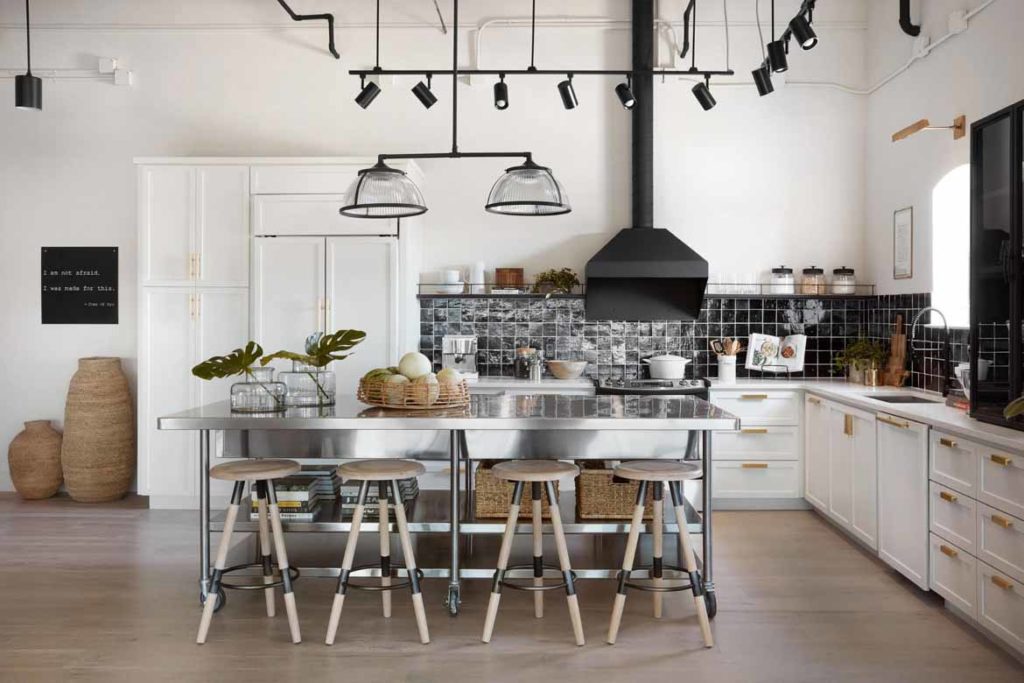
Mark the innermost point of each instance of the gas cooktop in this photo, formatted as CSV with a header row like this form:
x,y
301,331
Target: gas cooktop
x,y
668,387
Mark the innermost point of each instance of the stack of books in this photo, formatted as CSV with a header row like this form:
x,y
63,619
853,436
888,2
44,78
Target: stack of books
x,y
298,498
349,494
328,481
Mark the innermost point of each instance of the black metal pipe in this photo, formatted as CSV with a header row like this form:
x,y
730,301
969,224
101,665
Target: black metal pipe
x,y
643,115
455,155
542,72
905,23
455,75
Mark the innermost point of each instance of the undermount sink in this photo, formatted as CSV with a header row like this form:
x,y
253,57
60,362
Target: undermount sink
x,y
902,398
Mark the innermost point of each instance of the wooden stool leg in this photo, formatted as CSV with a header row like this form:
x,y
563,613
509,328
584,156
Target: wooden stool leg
x,y
385,546
222,557
658,523
346,563
265,547
691,564
282,563
499,572
410,563
538,549
563,561
627,562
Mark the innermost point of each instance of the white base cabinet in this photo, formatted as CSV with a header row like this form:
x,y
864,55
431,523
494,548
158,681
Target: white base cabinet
x,y
903,497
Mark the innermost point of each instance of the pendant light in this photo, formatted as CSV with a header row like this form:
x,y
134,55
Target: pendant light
x,y
803,32
763,74
568,93
501,93
777,50
423,93
528,190
28,89
625,93
383,192
702,91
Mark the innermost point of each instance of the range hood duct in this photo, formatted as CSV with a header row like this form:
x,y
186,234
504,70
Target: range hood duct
x,y
645,273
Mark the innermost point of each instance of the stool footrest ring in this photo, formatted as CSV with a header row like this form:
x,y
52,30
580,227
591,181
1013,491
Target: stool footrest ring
x,y
666,568
257,579
378,588
548,569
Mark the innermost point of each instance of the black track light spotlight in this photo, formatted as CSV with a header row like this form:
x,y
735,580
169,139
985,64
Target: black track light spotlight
x,y
501,94
763,79
702,91
368,92
28,89
777,56
625,93
423,93
568,93
803,32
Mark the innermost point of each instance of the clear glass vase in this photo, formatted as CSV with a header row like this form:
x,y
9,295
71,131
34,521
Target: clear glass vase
x,y
259,393
308,385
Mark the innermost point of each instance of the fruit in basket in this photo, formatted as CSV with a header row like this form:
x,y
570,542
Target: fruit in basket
x,y
394,391
427,390
378,374
449,376
414,365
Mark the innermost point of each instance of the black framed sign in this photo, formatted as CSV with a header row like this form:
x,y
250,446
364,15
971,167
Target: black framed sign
x,y
79,285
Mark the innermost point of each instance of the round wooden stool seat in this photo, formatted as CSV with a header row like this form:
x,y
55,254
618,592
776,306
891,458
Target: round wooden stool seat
x,y
380,470
658,470
255,469
534,470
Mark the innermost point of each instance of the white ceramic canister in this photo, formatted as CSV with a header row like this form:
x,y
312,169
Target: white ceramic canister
x,y
727,369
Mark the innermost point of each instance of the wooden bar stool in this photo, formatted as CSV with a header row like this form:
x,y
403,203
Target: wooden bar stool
x,y
262,473
385,474
537,473
657,473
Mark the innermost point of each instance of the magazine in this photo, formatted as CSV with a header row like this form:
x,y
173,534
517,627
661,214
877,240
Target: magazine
x,y
773,354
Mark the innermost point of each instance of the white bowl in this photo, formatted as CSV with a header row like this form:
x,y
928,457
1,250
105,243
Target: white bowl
x,y
450,289
567,369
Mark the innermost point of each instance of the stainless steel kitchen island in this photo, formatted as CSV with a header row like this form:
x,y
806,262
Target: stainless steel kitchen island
x,y
491,427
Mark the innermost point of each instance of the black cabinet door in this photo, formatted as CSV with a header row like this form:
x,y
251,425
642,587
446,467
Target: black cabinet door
x,y
995,261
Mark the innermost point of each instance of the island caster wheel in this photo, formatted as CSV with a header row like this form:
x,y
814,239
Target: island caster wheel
x,y
712,603
452,601
222,600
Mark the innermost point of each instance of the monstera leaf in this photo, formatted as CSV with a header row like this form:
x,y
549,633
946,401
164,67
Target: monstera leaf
x,y
321,349
1014,409
237,362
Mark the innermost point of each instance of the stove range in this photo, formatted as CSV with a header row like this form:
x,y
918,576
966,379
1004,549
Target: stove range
x,y
648,387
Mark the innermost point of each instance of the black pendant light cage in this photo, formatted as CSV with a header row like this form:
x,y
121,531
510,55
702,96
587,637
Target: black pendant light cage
x,y
28,89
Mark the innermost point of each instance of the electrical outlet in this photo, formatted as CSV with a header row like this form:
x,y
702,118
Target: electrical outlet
x,y
107,65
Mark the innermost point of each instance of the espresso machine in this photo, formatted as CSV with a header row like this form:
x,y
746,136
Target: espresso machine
x,y
458,352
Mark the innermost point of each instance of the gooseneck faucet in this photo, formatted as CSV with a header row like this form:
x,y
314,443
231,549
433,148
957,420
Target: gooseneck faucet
x,y
945,345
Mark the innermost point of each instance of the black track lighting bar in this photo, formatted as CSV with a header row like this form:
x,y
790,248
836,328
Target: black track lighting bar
x,y
528,156
539,72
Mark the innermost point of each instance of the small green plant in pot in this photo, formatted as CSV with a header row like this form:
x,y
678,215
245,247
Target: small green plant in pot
x,y
564,281
259,393
310,383
859,356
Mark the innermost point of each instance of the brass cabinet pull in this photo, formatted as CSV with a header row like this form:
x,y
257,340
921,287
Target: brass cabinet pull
x,y
754,465
754,430
894,423
191,265
947,496
1002,583
848,425
1000,460
199,265
948,443
999,520
947,551
753,397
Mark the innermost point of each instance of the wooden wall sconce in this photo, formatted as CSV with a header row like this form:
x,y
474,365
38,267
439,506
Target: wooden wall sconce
x,y
959,128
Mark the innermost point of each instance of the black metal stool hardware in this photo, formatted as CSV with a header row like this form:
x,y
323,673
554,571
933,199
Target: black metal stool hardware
x,y
380,589
660,589
292,571
507,582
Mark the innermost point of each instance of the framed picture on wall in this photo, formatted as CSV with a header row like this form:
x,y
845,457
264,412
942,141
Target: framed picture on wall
x,y
903,244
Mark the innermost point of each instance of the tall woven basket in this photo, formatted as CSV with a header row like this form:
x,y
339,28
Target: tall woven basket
x,y
98,453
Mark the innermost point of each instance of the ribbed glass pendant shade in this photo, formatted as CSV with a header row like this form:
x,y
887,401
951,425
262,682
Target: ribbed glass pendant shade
x,y
383,192
528,190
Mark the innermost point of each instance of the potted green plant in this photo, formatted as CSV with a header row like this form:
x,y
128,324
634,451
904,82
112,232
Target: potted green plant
x,y
259,393
1015,408
549,282
858,357
310,383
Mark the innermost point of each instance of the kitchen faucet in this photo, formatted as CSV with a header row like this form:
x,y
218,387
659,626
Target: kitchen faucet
x,y
945,345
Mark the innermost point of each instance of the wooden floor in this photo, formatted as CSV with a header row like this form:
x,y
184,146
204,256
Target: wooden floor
x,y
108,593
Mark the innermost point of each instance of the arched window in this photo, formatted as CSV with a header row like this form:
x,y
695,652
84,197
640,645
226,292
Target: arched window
x,y
951,246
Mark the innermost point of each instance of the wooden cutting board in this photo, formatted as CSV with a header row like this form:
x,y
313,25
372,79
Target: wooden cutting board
x,y
895,370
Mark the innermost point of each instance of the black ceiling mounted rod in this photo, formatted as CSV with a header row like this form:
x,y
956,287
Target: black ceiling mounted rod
x,y
329,18
686,28
542,72
533,35
906,24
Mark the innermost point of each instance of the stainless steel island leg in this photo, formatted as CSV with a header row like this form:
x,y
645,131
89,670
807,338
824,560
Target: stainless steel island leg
x,y
454,588
204,513
709,583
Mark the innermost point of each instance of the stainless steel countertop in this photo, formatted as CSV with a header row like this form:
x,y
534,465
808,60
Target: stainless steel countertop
x,y
525,412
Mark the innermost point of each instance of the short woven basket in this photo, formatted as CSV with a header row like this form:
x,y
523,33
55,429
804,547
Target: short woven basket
x,y
413,396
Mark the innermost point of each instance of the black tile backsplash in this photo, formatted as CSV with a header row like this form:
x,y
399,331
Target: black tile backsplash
x,y
616,348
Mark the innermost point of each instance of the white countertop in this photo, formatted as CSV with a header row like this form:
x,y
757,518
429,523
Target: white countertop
x,y
546,384
938,415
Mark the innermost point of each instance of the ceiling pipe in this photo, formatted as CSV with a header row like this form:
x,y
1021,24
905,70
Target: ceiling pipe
x,y
905,23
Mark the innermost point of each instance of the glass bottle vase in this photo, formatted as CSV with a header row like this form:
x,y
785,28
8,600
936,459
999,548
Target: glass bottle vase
x,y
259,393
308,385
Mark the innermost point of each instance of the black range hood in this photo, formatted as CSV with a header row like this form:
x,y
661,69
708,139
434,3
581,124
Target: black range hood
x,y
645,273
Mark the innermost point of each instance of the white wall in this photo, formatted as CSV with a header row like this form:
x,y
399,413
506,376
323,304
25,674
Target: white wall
x,y
974,73
754,183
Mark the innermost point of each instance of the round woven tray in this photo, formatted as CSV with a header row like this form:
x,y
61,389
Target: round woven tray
x,y
414,396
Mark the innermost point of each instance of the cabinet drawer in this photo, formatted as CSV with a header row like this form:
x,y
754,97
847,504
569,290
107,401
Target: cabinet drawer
x,y
1001,605
953,516
952,574
1001,480
311,214
954,463
756,479
316,179
761,443
760,407
1001,541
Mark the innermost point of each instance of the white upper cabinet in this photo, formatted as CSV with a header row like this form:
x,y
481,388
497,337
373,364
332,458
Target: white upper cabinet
x,y
362,294
222,226
194,225
315,214
306,178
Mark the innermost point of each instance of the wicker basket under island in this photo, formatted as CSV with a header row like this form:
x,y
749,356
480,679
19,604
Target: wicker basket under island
x,y
599,496
492,496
